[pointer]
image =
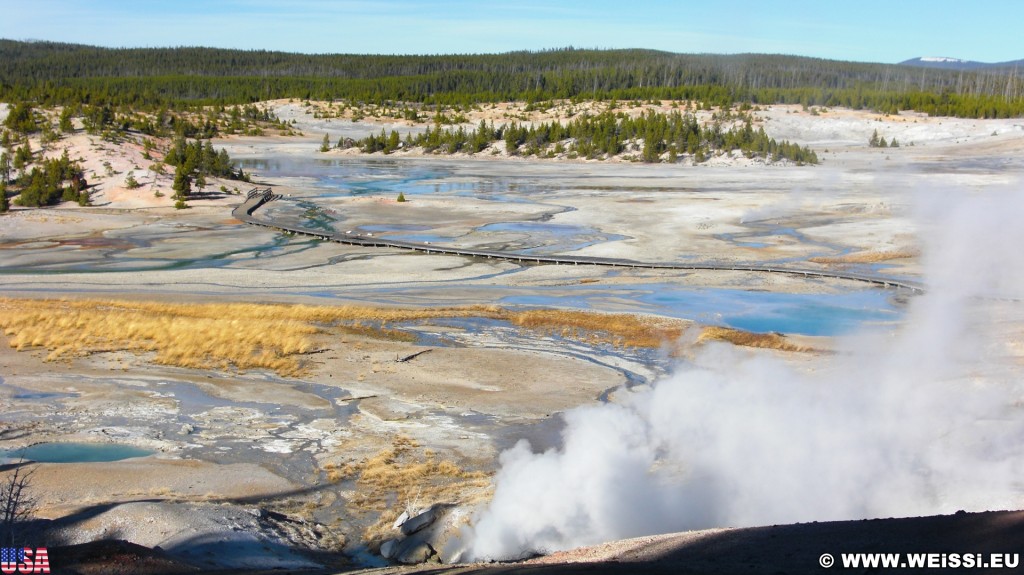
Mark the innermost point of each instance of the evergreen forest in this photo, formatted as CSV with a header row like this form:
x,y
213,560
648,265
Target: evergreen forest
x,y
48,73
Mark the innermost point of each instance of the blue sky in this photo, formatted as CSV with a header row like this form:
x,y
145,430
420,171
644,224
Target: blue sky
x,y
862,30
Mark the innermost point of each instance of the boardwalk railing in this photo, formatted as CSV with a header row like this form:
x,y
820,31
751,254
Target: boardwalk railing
x,y
258,197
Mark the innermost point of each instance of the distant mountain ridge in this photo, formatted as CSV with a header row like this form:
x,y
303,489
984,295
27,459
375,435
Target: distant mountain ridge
x,y
958,64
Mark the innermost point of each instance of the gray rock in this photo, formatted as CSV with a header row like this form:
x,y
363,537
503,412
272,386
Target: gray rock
x,y
401,519
413,551
425,519
187,429
431,536
387,549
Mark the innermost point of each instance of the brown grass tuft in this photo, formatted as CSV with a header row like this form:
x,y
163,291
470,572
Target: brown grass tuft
x,y
379,332
866,257
405,476
619,329
748,339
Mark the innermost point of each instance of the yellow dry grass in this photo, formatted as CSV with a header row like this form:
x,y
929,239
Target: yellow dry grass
x,y
216,335
748,339
379,332
271,336
866,257
245,336
402,477
200,336
619,329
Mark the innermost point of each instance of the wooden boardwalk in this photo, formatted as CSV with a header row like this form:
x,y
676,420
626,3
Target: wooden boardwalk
x,y
257,197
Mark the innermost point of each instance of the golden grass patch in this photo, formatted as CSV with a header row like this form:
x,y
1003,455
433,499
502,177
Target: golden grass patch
x,y
865,257
198,336
245,336
748,339
271,336
207,336
379,332
619,329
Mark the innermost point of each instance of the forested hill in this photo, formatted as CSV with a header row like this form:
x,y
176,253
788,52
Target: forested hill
x,y
1010,67
65,73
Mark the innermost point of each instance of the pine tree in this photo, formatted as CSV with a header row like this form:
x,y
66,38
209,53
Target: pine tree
x,y
182,183
223,164
65,120
4,203
512,139
23,157
209,159
393,142
21,119
325,145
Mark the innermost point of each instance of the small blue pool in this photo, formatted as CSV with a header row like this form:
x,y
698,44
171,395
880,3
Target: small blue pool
x,y
827,314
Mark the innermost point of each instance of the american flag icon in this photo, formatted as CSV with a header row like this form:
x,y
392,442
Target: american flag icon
x,y
12,555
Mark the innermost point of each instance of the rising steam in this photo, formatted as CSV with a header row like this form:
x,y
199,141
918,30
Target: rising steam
x,y
924,419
